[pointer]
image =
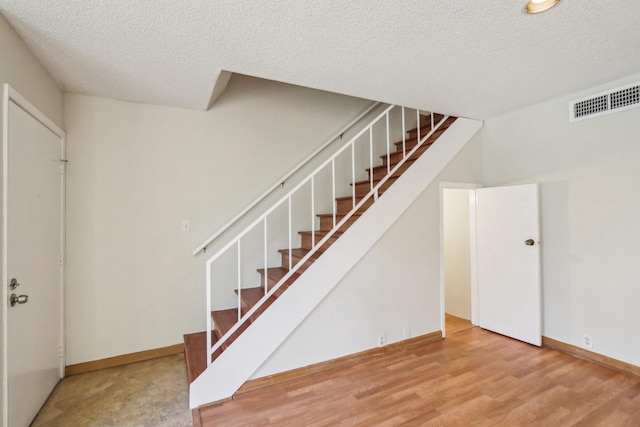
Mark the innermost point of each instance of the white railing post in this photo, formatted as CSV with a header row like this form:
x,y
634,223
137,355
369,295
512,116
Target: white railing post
x,y
209,320
371,157
290,237
333,190
404,135
266,264
313,213
388,145
239,281
353,173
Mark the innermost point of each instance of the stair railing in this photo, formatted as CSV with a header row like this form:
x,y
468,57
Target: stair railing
x,y
286,201
204,245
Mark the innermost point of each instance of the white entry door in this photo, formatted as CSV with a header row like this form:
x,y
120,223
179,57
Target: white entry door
x,y
34,249
508,254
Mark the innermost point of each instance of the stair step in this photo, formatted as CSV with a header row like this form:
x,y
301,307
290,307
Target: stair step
x,y
224,320
397,156
412,142
296,255
427,127
345,204
363,187
195,353
425,124
274,275
250,297
307,243
380,172
326,220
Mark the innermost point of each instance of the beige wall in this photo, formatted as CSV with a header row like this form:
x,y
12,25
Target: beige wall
x,y
25,74
590,215
136,171
20,69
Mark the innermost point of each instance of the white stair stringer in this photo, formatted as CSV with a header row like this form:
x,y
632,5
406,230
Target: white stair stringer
x,y
250,350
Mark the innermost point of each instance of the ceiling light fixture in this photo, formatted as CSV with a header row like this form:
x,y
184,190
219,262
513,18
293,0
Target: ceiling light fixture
x,y
537,6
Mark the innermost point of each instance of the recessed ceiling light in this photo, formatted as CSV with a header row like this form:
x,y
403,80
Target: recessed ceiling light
x,y
537,6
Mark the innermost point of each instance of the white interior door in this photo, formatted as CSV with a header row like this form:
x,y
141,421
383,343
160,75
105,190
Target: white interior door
x,y
34,249
508,253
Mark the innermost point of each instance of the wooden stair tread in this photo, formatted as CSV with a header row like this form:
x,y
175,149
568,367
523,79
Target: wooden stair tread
x,y
379,167
365,182
277,273
195,353
425,121
412,141
339,217
358,198
330,215
295,252
224,320
250,296
397,156
424,129
319,234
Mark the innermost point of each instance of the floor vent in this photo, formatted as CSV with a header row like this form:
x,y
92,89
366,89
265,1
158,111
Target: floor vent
x,y
611,101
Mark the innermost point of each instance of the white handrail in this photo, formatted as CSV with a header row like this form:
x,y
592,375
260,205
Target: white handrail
x,y
203,246
374,192
294,189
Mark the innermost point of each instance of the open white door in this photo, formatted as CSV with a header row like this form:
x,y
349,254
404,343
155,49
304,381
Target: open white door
x,y
33,260
508,253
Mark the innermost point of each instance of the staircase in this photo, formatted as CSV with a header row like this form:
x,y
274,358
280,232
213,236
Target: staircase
x,y
224,320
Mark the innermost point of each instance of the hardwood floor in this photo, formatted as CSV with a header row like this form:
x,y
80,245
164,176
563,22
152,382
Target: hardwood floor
x,y
456,324
471,378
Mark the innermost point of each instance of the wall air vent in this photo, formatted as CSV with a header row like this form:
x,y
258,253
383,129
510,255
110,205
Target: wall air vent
x,y
614,100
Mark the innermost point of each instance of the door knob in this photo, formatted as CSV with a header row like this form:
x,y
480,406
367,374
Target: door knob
x,y
529,242
15,299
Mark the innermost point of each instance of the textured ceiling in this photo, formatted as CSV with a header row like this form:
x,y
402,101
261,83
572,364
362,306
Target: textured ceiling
x,y
467,58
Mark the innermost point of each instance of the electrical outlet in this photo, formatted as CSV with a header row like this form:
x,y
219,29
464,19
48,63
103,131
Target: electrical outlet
x,y
406,333
382,341
587,341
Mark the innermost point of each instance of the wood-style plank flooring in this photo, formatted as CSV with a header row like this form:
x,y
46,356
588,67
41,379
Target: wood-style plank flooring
x,y
471,378
456,324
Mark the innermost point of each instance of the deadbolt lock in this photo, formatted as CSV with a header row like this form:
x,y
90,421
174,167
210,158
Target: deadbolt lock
x,y
13,284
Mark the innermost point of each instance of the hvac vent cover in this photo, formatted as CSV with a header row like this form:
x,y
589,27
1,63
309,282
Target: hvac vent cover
x,y
611,101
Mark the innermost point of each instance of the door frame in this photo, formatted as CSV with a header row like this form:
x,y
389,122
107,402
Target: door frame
x,y
11,95
473,273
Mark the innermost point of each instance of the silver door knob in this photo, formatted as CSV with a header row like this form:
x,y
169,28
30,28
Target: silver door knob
x,y
529,242
18,299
